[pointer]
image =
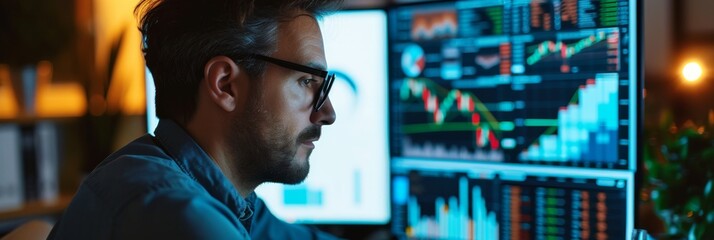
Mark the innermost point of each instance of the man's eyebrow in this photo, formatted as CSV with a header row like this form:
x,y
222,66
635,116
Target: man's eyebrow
x,y
316,65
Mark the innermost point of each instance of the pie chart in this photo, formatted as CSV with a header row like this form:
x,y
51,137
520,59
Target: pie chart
x,y
413,60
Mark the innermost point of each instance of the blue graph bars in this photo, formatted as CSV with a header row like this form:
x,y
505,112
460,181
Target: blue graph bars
x,y
301,195
451,220
587,130
306,195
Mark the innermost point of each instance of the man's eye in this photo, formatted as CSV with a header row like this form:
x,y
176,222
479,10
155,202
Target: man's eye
x,y
308,81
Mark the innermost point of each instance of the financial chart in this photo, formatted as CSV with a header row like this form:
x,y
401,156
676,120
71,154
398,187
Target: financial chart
x,y
514,119
492,203
526,82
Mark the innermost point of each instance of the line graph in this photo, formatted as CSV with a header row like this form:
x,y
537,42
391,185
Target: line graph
x,y
491,60
465,103
452,110
434,25
488,61
573,56
566,50
568,122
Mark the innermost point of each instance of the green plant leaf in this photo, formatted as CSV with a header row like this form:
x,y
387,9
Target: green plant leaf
x,y
680,175
700,231
693,206
684,147
661,199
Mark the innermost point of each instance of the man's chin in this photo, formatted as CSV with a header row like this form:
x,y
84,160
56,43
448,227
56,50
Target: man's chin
x,y
296,173
295,177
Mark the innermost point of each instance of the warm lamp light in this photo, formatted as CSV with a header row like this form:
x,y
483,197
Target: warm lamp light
x,y
58,99
8,104
692,72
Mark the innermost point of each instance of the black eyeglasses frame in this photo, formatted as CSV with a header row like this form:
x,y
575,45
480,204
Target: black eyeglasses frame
x,y
325,87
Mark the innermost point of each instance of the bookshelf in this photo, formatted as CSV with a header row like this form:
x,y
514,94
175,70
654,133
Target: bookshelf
x,y
73,83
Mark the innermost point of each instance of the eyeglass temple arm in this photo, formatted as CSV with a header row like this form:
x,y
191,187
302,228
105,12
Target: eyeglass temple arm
x,y
295,66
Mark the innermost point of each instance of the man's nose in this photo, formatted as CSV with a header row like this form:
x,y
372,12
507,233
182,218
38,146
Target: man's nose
x,y
325,116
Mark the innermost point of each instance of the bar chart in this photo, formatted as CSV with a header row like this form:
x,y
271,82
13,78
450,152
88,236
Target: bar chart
x,y
497,205
586,130
431,215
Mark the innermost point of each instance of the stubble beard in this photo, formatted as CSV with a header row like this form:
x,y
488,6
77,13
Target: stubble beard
x,y
264,148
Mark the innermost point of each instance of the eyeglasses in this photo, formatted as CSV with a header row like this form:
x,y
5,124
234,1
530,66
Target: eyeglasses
x,y
329,78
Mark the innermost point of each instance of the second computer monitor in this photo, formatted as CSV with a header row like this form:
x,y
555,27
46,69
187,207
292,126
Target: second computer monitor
x,y
514,119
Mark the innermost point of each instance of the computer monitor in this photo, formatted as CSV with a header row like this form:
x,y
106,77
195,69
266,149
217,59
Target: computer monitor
x,y
514,119
349,169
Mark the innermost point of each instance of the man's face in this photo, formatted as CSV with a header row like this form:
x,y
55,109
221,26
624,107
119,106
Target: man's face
x,y
274,136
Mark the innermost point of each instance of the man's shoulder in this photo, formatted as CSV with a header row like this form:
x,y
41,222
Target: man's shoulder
x,y
141,167
138,182
162,210
173,213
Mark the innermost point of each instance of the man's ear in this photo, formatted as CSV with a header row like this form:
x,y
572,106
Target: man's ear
x,y
221,75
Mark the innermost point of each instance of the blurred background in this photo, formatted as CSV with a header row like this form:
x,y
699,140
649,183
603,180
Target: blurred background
x,y
72,81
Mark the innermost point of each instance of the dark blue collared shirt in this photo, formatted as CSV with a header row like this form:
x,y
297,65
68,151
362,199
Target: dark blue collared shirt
x,y
167,187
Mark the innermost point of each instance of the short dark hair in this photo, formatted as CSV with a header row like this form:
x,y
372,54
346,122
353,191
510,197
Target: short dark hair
x,y
180,36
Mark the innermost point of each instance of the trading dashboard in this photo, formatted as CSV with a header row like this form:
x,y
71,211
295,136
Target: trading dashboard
x,y
513,119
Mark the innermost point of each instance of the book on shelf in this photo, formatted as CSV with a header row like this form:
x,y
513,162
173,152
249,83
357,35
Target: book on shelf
x,y
47,161
11,188
29,169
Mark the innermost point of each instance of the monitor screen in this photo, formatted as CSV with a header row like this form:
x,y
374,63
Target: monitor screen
x,y
151,120
349,169
513,119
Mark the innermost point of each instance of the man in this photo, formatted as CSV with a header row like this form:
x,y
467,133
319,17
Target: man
x,y
241,91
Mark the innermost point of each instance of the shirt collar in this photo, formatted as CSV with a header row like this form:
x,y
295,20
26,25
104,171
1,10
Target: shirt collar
x,y
196,163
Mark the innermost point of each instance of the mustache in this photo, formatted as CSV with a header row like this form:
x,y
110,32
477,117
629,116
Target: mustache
x,y
309,133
